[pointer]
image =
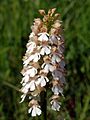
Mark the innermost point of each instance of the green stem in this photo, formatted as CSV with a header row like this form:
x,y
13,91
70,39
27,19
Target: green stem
x,y
11,86
87,100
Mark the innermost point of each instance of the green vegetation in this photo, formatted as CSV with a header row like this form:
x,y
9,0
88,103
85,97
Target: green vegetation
x,y
16,17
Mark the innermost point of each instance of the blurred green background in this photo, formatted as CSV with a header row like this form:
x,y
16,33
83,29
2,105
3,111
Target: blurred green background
x,y
16,17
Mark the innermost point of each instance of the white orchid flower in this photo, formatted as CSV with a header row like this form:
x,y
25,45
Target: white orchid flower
x,y
48,67
55,105
45,50
31,72
55,59
57,89
25,88
32,85
43,36
34,57
34,110
42,81
30,47
29,86
25,79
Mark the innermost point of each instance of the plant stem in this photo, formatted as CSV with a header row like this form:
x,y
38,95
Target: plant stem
x,y
82,116
43,104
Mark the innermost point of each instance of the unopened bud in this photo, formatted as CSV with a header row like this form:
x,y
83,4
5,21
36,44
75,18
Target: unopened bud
x,y
42,12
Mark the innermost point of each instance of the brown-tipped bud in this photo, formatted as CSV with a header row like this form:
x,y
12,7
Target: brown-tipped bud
x,y
42,12
53,10
54,49
44,29
46,59
49,12
53,31
57,24
45,19
35,29
57,15
38,22
35,64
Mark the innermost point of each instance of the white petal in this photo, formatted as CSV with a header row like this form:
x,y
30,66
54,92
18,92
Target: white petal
x,y
31,35
43,36
38,111
37,82
30,47
30,109
43,65
58,59
43,82
40,38
25,79
31,57
23,84
46,68
23,97
55,59
26,62
42,51
32,85
51,68
25,88
55,90
55,106
36,57
33,111
47,50
33,72
47,79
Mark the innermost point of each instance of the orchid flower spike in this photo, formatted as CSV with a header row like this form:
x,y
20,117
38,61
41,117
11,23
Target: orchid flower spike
x,y
44,62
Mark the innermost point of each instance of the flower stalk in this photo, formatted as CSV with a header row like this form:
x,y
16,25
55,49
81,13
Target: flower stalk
x,y
43,64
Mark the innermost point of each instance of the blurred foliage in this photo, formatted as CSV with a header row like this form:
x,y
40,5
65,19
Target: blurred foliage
x,y
16,17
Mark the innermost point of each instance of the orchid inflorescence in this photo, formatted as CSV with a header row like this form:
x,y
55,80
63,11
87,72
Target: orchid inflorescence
x,y
43,62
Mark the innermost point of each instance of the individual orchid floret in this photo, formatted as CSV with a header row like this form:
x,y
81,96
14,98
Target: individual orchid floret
x,y
48,67
53,39
55,59
43,36
25,79
34,57
31,71
45,50
56,88
34,108
42,80
30,47
55,104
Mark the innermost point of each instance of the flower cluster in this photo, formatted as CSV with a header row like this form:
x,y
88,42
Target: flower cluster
x,y
44,62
